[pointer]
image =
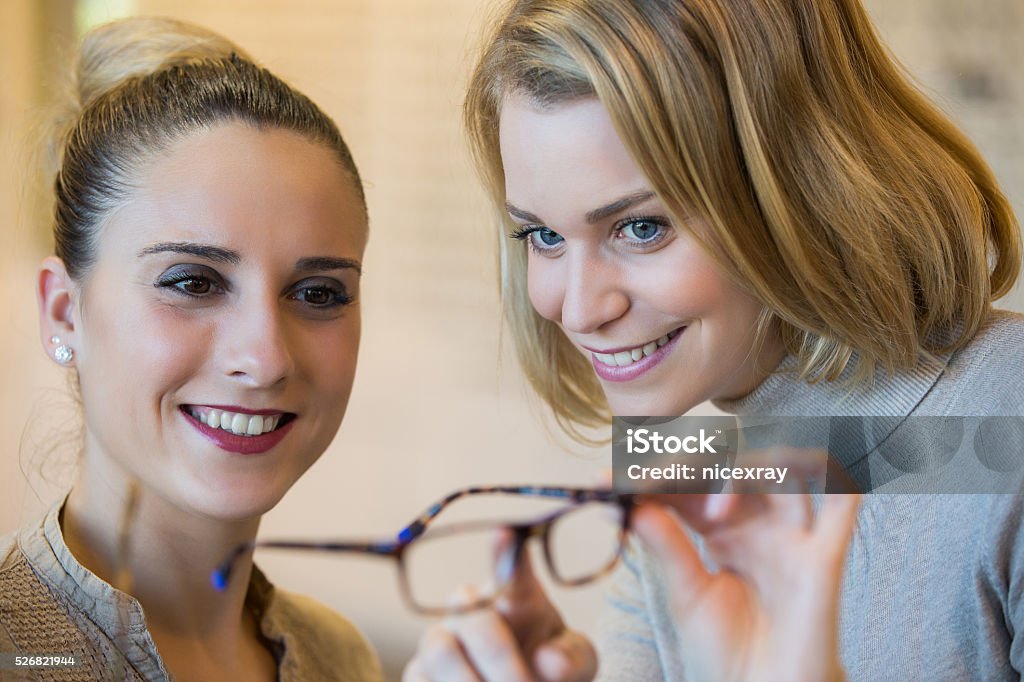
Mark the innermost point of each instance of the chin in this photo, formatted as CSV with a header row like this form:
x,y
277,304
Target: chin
x,y
234,503
651,404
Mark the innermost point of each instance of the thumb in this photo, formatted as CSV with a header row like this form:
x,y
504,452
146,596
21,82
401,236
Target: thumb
x,y
569,657
525,604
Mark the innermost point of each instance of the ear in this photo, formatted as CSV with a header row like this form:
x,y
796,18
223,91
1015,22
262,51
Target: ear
x,y
57,296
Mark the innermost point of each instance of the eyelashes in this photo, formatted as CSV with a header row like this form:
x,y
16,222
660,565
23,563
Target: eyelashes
x,y
201,286
548,238
658,225
189,283
640,232
322,295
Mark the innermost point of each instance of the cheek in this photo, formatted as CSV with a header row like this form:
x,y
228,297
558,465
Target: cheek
x,y
330,356
142,343
545,288
692,285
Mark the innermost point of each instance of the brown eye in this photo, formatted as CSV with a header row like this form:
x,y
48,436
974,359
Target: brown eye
x,y
190,283
321,294
196,286
316,296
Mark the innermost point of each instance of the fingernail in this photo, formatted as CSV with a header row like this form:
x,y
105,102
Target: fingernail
x,y
716,506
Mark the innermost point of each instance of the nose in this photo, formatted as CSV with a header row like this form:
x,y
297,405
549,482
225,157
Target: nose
x,y
594,294
258,350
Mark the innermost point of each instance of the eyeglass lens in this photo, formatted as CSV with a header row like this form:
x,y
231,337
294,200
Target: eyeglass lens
x,y
459,566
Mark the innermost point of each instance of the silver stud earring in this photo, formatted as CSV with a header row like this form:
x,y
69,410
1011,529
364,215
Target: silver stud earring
x,y
63,354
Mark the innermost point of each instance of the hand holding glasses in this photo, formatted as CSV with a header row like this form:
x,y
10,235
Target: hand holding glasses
x,y
581,542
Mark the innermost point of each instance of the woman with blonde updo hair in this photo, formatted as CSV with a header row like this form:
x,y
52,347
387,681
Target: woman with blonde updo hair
x,y
209,229
746,202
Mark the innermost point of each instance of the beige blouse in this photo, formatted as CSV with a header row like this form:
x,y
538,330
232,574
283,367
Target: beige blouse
x,y
50,604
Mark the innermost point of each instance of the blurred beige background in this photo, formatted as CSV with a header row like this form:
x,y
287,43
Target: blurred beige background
x,y
434,407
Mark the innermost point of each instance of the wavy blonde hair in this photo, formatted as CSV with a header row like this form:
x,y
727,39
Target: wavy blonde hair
x,y
833,191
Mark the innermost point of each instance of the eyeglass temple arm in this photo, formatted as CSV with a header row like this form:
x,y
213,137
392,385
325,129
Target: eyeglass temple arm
x,y
222,574
577,495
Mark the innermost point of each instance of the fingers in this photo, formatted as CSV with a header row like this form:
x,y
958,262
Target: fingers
x,y
526,607
570,657
489,645
413,673
499,644
790,509
834,529
440,657
685,573
691,508
481,648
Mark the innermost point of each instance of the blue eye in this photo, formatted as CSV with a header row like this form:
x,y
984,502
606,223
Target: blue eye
x,y
540,238
642,230
547,237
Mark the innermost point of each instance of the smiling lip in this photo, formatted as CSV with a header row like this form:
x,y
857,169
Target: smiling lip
x,y
636,369
243,445
243,410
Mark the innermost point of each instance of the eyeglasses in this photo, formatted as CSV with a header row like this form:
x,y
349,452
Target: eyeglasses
x,y
581,541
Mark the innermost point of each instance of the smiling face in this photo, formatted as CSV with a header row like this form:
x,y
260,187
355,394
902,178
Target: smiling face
x,y
632,289
216,335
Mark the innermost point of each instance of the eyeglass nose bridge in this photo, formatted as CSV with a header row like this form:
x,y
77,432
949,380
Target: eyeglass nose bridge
x,y
510,557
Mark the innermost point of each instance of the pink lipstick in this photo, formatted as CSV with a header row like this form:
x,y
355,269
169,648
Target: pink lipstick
x,y
638,368
243,445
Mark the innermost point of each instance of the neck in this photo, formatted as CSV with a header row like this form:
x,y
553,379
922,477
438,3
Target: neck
x,y
166,553
759,364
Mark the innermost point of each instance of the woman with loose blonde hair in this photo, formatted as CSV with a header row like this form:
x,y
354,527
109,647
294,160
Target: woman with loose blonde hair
x,y
816,168
747,202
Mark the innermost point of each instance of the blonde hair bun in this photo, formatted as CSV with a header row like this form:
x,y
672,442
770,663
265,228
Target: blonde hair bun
x,y
114,53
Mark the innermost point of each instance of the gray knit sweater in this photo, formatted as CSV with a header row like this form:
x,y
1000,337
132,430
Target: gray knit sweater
x,y
934,584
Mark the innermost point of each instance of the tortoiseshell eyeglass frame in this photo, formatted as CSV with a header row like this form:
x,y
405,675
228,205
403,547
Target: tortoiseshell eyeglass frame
x,y
521,532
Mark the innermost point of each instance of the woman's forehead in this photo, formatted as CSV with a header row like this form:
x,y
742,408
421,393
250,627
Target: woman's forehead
x,y
235,185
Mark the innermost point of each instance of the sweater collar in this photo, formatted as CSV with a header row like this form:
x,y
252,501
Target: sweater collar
x,y
784,394
116,613
886,402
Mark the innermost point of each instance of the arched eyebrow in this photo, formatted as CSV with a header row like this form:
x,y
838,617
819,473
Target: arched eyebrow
x,y
314,263
217,254
592,217
618,206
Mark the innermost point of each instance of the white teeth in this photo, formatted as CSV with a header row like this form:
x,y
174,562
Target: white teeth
x,y
255,427
237,423
628,357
